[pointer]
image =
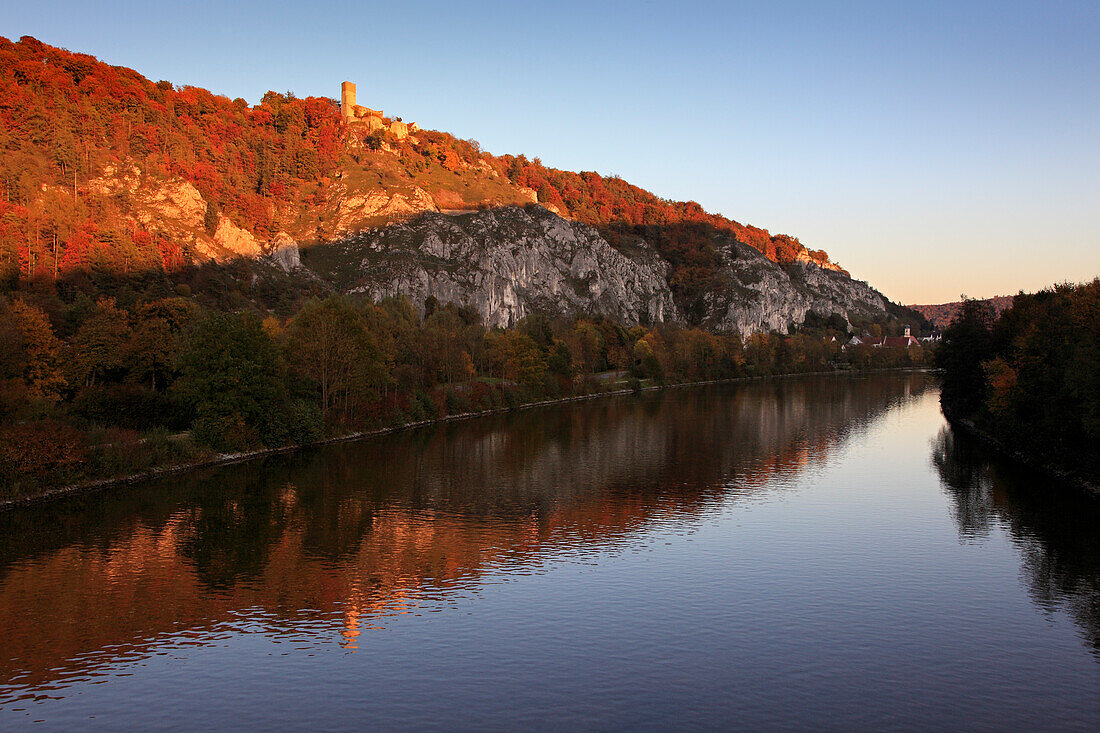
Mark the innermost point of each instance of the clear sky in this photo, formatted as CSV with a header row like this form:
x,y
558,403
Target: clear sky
x,y
931,148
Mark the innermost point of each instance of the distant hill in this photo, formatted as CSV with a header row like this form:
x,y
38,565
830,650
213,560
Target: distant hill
x,y
943,314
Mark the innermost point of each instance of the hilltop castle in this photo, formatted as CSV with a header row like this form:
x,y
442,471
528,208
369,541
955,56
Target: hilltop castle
x,y
372,118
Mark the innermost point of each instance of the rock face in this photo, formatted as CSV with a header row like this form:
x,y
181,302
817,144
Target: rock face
x,y
283,251
172,206
235,240
762,295
507,263
353,209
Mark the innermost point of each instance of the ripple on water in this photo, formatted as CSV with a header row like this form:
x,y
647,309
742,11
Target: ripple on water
x,y
807,552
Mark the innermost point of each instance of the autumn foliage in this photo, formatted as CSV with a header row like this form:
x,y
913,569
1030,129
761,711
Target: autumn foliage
x,y
65,116
122,351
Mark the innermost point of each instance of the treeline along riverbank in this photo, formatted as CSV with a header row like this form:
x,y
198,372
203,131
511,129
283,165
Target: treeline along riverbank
x,y
91,391
1029,381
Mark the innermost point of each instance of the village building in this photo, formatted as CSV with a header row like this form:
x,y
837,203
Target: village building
x,y
904,341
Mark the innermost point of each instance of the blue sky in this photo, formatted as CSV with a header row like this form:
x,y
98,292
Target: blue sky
x,y
931,148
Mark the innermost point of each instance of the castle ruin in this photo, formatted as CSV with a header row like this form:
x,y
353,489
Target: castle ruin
x,y
372,118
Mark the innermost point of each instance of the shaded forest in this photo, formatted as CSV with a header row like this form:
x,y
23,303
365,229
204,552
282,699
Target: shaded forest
x,y
1031,378
101,379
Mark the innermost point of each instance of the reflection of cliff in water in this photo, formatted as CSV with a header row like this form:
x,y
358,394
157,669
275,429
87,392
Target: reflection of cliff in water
x,y
360,530
1056,529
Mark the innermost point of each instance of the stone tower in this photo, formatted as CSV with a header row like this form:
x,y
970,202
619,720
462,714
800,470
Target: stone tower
x,y
347,101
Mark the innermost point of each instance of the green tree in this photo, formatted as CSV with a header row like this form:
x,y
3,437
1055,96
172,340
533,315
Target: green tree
x,y
328,341
967,343
98,349
210,219
155,342
560,361
38,351
233,377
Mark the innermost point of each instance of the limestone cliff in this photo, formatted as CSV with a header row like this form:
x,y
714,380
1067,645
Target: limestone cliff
x,y
283,251
761,295
351,211
233,239
509,262
506,263
174,208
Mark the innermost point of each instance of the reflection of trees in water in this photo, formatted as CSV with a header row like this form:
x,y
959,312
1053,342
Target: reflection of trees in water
x,y
967,481
358,527
227,535
1055,528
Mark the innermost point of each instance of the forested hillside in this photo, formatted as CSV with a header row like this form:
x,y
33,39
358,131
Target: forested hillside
x,y
944,314
155,306
102,168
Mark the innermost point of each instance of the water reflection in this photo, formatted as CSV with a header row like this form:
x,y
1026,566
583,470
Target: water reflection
x,y
1056,529
352,533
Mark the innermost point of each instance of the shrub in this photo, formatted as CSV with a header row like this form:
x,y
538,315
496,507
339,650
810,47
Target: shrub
x,y
39,454
130,406
305,423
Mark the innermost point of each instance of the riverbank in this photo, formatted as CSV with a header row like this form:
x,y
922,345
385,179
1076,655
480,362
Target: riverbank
x,y
1068,478
87,487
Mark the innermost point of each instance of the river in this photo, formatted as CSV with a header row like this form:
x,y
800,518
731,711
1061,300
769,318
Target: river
x,y
817,551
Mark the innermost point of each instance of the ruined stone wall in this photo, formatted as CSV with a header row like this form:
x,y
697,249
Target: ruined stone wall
x,y
373,118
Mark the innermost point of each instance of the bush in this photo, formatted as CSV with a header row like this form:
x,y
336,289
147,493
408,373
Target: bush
x,y
130,406
39,454
421,406
226,433
118,452
456,403
305,423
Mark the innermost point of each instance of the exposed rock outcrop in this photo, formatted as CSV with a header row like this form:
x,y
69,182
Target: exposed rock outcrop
x,y
353,209
172,205
762,295
819,258
507,263
283,251
235,240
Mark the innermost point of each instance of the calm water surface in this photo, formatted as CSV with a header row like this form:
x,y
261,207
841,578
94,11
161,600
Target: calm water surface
x,y
815,552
